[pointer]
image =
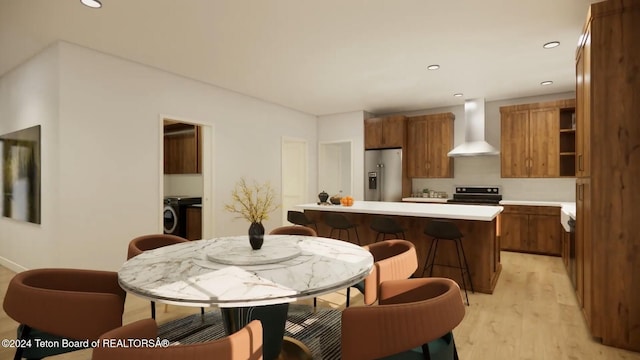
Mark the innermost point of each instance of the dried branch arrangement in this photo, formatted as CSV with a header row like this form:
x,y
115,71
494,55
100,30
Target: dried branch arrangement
x,y
252,202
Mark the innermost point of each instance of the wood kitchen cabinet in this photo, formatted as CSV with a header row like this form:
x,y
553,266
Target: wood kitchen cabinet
x,y
194,223
536,140
182,149
566,249
608,169
583,95
531,229
584,250
385,132
430,138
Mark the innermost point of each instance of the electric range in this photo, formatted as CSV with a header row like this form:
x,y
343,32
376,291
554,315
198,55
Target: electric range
x,y
476,195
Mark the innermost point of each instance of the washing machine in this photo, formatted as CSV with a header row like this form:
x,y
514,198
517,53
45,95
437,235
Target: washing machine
x,y
175,214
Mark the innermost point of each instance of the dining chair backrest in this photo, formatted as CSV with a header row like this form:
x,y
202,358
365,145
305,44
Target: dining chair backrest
x,y
72,303
414,312
293,230
394,259
63,303
150,242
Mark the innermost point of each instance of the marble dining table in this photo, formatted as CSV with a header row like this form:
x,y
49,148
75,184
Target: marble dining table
x,y
246,284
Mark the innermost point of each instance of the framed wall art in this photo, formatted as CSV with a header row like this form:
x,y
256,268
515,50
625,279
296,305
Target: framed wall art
x,y
20,174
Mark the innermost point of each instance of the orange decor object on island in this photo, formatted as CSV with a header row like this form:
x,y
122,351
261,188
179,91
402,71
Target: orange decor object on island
x,y
346,201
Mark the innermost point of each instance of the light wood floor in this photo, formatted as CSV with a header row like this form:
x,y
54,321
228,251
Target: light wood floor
x,y
533,314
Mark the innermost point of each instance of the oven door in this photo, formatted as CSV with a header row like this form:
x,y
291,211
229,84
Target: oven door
x,y
170,219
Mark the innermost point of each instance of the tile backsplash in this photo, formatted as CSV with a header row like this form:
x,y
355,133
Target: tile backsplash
x,y
485,170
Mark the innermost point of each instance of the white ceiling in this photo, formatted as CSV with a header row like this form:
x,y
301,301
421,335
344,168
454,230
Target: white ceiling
x,y
323,56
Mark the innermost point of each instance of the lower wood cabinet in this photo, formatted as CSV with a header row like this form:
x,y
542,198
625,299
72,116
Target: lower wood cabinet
x,y
566,249
531,229
194,223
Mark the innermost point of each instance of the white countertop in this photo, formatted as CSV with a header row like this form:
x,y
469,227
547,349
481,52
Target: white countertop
x,y
430,210
425,199
567,209
532,203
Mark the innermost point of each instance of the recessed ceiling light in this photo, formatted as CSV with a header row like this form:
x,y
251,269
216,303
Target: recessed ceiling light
x,y
433,67
458,94
551,44
95,4
548,82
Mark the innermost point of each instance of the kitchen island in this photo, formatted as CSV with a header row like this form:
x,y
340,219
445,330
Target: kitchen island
x,y
479,224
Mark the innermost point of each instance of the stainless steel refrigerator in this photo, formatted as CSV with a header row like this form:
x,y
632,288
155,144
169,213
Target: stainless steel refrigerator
x,y
383,175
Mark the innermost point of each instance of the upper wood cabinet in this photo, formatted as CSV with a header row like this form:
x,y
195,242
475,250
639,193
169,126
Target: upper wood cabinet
x,y
583,108
535,140
430,138
385,132
182,149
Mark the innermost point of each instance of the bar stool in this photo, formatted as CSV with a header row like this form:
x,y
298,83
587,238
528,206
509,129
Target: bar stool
x,y
299,218
446,230
339,222
384,226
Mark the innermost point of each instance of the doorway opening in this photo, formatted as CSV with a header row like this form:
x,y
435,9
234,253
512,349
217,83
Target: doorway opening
x,y
186,178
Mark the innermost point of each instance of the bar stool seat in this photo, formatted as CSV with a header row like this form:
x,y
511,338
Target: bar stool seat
x,y
447,230
299,218
384,226
340,223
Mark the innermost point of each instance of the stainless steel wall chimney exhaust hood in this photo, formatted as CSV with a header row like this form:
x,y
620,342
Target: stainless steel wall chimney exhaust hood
x,y
474,141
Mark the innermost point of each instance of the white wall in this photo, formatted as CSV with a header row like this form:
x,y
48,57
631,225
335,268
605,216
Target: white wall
x,y
183,184
29,97
109,164
341,127
485,170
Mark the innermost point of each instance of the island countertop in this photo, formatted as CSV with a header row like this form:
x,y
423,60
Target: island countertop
x,y
430,210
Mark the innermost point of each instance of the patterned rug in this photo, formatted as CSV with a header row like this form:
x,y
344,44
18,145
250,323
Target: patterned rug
x,y
319,330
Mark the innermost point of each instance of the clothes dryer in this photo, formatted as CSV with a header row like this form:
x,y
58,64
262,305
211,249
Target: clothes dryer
x,y
175,214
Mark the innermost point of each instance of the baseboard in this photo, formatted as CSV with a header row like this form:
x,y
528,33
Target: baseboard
x,y
12,265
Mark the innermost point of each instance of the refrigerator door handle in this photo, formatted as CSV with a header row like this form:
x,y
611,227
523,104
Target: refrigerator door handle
x,y
380,181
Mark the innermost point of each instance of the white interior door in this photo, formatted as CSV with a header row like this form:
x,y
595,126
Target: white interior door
x,y
335,172
330,175
294,175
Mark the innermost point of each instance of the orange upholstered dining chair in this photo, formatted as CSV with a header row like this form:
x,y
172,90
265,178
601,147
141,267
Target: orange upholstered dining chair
x,y
414,317
149,242
293,230
245,344
57,304
394,259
